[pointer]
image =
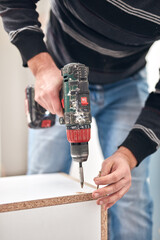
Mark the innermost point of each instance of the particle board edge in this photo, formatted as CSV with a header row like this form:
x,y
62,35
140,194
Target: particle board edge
x,y
104,227
15,206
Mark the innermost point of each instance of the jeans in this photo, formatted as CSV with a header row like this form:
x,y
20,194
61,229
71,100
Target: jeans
x,y
115,108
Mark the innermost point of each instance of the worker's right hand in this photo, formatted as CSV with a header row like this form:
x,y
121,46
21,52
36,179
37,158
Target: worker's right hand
x,y
48,82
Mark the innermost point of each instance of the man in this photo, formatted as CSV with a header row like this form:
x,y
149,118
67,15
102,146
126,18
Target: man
x,y
112,37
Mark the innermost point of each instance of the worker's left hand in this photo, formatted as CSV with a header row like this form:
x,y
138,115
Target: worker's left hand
x,y
115,176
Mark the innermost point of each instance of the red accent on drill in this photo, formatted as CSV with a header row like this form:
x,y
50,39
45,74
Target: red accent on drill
x,y
79,135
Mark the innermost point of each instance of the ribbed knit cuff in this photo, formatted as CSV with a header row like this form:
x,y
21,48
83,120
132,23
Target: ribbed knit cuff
x,y
29,43
139,144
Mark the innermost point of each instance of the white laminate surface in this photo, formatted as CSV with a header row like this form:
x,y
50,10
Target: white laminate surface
x,y
34,187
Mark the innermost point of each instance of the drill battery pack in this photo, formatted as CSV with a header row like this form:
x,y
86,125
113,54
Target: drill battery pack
x,y
37,116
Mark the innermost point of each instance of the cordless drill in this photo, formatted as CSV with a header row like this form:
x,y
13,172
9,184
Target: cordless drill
x,y
76,106
77,115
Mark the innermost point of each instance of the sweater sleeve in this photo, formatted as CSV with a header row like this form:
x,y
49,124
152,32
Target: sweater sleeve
x,y
20,20
144,137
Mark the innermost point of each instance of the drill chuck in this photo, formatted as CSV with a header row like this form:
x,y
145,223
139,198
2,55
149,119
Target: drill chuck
x,y
79,151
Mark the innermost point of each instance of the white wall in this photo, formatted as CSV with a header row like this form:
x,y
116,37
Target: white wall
x,y
13,128
14,79
0,145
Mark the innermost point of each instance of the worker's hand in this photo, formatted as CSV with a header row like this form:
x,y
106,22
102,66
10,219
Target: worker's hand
x,y
115,176
48,82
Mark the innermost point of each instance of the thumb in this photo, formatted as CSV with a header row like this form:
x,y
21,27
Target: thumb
x,y
106,167
105,170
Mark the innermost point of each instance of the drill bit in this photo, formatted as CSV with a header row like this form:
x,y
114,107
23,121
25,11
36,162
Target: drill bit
x,y
81,174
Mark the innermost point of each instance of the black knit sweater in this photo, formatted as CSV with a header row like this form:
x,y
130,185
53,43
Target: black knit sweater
x,y
112,37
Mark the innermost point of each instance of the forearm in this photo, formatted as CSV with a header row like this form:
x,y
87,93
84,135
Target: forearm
x,y
48,82
131,160
41,63
144,138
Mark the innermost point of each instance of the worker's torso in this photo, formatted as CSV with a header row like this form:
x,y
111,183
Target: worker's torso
x,y
112,37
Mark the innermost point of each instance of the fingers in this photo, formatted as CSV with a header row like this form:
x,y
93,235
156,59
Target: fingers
x,y
113,186
50,102
117,182
110,189
57,104
46,105
48,83
109,179
111,199
110,194
106,168
116,176
108,174
109,205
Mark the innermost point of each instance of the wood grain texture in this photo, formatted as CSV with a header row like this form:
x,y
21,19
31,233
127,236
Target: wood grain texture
x,y
45,202
104,229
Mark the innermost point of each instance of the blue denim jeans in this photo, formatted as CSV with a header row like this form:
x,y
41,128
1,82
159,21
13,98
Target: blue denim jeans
x,y
115,108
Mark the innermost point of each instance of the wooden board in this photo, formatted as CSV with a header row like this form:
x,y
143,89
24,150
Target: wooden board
x,y
33,193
